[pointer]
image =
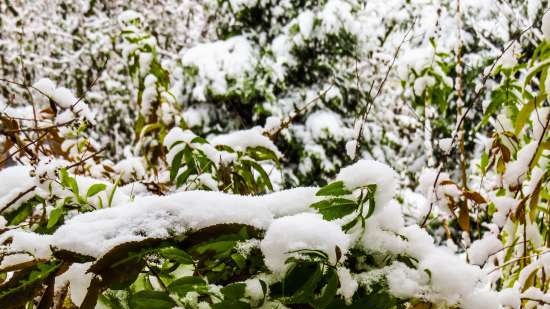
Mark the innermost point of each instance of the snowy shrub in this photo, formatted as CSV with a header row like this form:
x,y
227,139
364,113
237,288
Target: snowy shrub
x,y
274,154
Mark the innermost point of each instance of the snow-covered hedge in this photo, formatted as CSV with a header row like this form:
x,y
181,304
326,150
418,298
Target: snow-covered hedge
x,y
274,154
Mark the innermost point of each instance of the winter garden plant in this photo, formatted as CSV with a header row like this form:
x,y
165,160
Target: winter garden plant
x,y
275,154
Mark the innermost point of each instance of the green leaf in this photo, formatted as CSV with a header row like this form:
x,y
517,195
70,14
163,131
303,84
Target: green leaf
x,y
329,291
336,188
199,140
182,178
151,300
112,193
69,182
335,208
176,164
19,215
233,291
55,215
176,255
25,284
523,116
231,304
305,292
95,189
187,284
261,171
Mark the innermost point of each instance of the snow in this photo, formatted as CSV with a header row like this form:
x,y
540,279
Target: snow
x,y
326,124
240,140
450,283
510,297
218,61
254,289
404,281
536,176
366,172
351,148
348,285
46,86
445,144
516,170
272,124
505,205
24,247
130,168
421,83
78,279
196,116
97,232
483,299
438,193
481,249
291,201
305,20
15,180
301,231
546,26
128,16
64,97
434,279
508,59
536,294
177,134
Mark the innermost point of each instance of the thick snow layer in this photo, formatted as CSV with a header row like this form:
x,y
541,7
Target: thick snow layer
x,y
130,168
482,299
25,246
440,192
14,181
64,97
366,172
240,140
291,201
434,279
348,285
97,232
272,124
327,124
505,205
481,249
46,86
302,231
216,62
516,171
78,280
160,217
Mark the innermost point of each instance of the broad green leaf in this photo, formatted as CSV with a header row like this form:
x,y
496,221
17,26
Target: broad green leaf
x,y
335,208
95,189
151,300
176,164
176,255
329,291
55,215
336,188
233,291
263,174
187,284
19,215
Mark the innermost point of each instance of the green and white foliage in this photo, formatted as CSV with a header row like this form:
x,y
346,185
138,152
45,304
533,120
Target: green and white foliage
x,y
274,154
